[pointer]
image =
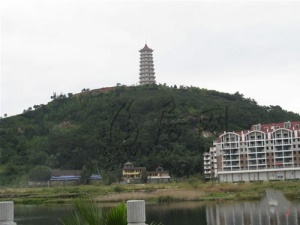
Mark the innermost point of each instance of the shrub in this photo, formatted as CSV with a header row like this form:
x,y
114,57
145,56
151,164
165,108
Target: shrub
x,y
40,173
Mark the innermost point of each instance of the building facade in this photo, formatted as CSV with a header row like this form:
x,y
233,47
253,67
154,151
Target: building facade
x,y
265,152
147,75
132,174
158,176
211,160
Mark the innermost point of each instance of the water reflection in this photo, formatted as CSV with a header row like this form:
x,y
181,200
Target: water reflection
x,y
273,209
177,213
37,215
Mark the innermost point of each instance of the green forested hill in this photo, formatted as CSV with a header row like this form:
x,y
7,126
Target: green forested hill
x,y
147,125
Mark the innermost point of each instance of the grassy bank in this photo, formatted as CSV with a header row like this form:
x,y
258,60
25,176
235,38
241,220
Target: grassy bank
x,y
192,190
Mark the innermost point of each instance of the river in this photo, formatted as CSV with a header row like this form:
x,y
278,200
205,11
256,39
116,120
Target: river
x,y
273,209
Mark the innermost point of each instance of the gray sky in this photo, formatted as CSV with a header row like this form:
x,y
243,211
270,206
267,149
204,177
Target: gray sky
x,y
64,46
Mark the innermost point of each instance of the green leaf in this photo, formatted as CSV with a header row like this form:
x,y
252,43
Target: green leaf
x,y
156,223
86,213
117,215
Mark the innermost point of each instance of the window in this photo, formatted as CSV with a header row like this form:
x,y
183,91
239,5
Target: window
x,y
257,127
287,125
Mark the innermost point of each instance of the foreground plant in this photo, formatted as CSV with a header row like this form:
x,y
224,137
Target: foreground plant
x,y
88,213
117,215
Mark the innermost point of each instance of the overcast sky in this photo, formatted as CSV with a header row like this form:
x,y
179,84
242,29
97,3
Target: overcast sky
x,y
64,46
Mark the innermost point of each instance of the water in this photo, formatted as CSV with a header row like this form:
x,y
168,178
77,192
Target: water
x,y
273,209
40,215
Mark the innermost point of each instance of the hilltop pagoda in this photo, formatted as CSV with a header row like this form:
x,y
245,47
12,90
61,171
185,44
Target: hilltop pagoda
x,y
147,75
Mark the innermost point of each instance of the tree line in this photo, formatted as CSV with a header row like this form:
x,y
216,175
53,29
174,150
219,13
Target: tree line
x,y
150,126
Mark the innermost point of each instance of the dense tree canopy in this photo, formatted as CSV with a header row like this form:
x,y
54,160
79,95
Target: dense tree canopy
x,y
147,125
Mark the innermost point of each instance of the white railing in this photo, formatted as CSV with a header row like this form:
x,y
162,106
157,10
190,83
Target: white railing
x,y
136,213
265,167
7,213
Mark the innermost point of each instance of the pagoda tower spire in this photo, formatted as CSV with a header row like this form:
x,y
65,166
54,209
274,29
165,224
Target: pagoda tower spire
x,y
147,75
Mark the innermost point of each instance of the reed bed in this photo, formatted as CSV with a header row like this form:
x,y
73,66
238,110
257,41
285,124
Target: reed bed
x,y
191,190
160,195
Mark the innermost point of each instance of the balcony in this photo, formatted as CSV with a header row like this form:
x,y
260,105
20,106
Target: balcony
x,y
261,156
234,158
226,152
251,150
260,149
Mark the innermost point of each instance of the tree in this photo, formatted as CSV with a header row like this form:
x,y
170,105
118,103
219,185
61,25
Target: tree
x,y
53,96
40,173
85,175
144,176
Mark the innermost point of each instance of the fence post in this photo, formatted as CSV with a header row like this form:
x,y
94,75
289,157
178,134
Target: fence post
x,y
136,214
7,213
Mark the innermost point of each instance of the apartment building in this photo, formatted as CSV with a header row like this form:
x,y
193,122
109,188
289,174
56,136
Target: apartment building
x,y
265,152
211,160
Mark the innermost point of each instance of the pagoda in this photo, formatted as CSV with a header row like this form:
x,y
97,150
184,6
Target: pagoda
x,y
147,75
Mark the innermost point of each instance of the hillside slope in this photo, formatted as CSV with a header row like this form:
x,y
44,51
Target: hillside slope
x,y
147,125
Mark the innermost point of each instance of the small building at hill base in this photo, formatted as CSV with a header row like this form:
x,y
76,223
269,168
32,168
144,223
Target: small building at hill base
x,y
71,177
133,174
158,176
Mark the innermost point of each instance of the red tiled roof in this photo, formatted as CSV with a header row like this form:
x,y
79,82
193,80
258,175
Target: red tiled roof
x,y
265,128
268,126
